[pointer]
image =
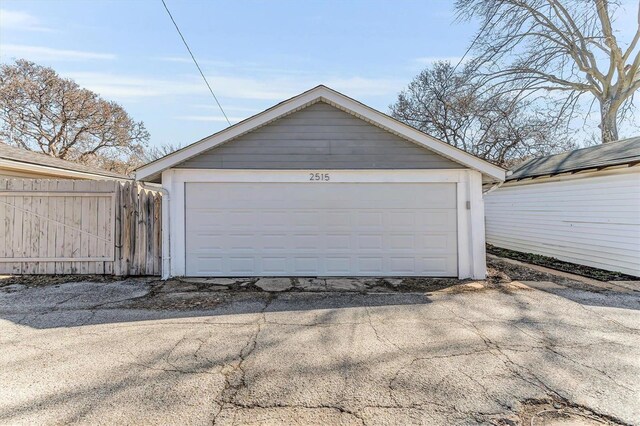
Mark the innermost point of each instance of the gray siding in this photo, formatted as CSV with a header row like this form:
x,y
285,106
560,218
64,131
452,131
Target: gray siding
x,y
319,137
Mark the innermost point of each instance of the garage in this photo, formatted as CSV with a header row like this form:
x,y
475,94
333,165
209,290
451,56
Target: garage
x,y
306,229
322,185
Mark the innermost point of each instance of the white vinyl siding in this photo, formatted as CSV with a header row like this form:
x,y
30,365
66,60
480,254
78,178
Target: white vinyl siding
x,y
592,220
319,136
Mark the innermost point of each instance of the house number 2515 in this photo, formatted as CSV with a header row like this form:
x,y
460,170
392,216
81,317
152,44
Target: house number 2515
x,y
319,177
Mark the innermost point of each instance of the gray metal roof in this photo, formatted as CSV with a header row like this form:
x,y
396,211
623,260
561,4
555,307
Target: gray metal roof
x,y
625,151
20,155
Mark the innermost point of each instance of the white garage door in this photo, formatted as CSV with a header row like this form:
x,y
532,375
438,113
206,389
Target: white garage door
x,y
321,229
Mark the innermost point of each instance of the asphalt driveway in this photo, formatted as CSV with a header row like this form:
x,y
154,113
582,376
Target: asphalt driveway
x,y
440,352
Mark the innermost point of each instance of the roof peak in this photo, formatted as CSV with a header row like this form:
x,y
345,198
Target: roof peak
x,y
335,98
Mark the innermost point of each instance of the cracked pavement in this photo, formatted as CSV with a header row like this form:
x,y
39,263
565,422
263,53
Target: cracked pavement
x,y
180,352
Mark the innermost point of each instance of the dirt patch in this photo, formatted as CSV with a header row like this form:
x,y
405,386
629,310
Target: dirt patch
x,y
501,272
417,284
46,280
191,291
557,412
177,301
364,285
553,263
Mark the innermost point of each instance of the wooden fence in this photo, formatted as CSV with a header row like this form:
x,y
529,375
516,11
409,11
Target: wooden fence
x,y
79,227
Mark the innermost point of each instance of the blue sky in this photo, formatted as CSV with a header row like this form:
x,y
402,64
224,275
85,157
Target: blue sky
x,y
254,53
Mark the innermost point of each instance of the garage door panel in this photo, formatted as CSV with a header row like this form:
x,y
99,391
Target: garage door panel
x,y
338,265
338,219
436,265
241,265
208,265
304,218
402,264
306,265
273,241
337,241
369,218
307,241
327,195
402,242
370,265
369,241
240,241
320,229
437,243
402,220
275,219
206,242
277,265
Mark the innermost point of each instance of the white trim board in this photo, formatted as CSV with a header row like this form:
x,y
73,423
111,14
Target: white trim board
x,y
470,208
338,100
335,176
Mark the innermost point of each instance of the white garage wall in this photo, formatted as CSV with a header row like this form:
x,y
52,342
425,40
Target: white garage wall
x,y
469,205
591,219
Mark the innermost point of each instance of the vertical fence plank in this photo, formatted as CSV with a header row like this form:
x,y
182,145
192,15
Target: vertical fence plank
x,y
134,230
18,220
101,222
41,245
6,240
43,234
52,227
92,226
109,248
142,231
36,230
60,228
68,235
117,263
74,233
26,226
126,228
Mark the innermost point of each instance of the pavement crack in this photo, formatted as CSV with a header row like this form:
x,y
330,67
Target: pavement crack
x,y
379,335
590,367
234,374
343,410
518,369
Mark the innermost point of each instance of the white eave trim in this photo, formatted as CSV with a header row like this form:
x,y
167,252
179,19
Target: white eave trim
x,y
573,175
338,100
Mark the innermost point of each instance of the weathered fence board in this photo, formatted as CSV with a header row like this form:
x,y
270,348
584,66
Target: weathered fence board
x,y
79,227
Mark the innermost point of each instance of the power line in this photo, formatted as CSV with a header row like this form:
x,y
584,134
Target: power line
x,y
195,62
475,39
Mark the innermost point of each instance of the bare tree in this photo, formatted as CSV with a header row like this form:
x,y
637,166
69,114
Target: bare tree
x,y
564,46
498,127
134,159
156,152
41,111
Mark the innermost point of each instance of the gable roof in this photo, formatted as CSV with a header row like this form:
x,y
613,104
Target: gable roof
x,y
626,151
321,93
22,159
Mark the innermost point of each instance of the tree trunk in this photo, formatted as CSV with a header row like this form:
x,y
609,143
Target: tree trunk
x,y
608,121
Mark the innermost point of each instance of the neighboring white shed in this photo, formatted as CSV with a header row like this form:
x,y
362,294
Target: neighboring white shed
x,y
322,185
581,206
